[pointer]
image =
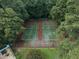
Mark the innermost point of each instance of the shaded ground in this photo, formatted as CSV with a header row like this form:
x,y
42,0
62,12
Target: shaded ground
x,y
39,33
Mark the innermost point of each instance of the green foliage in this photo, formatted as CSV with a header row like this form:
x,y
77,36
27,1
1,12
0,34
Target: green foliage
x,y
39,8
70,26
10,26
58,11
30,8
69,54
18,6
74,54
65,47
21,10
69,30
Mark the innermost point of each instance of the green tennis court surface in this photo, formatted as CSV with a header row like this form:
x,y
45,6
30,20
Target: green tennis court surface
x,y
39,33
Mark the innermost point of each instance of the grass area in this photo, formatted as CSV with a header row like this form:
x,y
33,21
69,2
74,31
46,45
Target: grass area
x,y
48,53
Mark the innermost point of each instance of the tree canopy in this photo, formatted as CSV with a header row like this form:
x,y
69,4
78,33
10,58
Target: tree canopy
x,y
10,26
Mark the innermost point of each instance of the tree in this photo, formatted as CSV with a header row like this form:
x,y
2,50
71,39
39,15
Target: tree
x,y
70,25
39,8
58,11
10,26
18,6
69,30
30,8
